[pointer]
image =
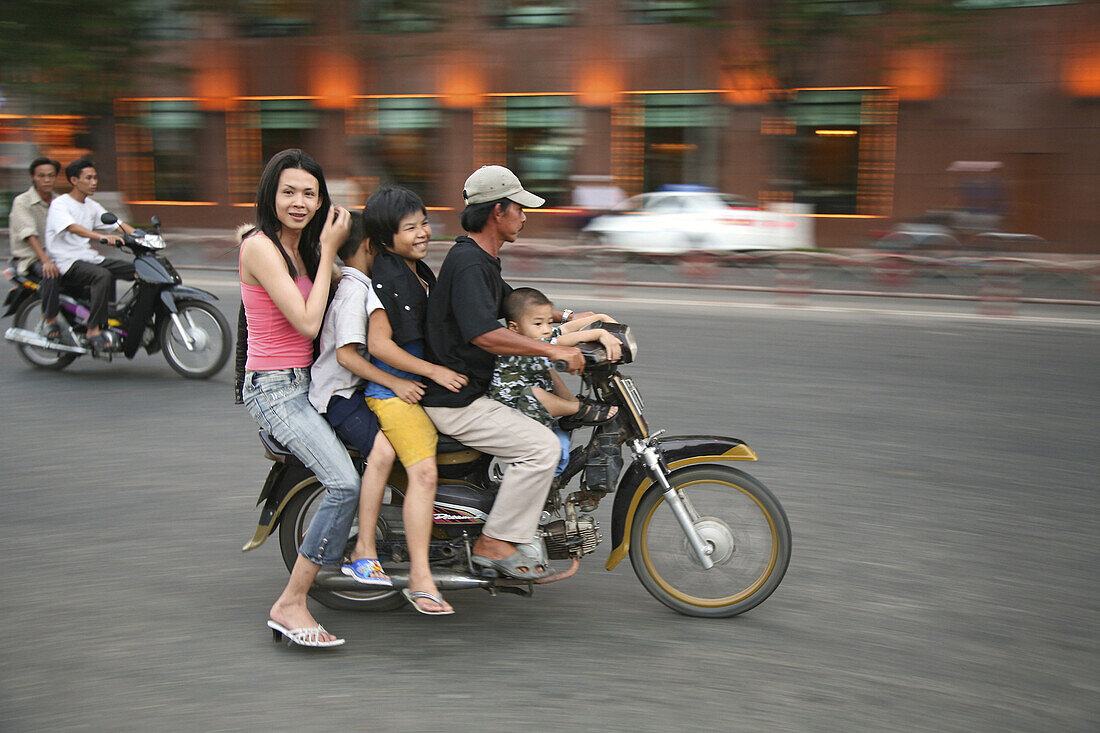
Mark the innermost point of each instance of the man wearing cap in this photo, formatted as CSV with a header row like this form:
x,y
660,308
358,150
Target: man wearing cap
x,y
464,333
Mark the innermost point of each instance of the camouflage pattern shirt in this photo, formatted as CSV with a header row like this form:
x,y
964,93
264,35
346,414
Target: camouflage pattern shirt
x,y
513,378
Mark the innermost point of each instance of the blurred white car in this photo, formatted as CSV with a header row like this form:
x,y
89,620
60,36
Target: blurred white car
x,y
698,220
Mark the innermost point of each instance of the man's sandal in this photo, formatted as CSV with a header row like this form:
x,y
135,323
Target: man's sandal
x,y
524,557
413,596
367,571
301,637
589,413
53,331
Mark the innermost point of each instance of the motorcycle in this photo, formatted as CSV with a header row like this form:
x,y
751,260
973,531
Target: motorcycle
x,y
157,312
704,538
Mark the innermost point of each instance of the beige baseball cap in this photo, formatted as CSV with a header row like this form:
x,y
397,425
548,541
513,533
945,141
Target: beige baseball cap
x,y
494,182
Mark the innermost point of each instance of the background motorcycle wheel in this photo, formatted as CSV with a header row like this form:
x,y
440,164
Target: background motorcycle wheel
x,y
211,333
738,517
292,527
28,316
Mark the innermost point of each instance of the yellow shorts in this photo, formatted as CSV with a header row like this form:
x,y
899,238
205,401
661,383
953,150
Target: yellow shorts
x,y
408,428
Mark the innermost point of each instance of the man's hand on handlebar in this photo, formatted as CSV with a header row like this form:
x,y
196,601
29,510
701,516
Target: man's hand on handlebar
x,y
570,357
112,239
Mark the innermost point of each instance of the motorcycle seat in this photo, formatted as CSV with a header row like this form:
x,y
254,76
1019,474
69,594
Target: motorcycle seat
x,y
278,452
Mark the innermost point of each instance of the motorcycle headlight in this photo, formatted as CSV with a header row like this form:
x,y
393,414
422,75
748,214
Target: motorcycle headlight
x,y
153,241
622,332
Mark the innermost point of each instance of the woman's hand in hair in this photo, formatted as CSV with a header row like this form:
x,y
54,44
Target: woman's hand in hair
x,y
336,229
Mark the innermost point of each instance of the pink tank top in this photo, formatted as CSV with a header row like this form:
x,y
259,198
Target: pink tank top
x,y
272,342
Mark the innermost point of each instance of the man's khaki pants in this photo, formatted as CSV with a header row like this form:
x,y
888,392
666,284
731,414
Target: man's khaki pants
x,y
530,449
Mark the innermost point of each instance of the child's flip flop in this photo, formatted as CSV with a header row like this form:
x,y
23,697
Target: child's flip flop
x,y
411,597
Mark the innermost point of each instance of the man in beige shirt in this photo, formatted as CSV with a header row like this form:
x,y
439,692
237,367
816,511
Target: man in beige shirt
x,y
27,228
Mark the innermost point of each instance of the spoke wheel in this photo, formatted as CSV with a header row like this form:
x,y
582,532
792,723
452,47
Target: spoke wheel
x,y
209,332
29,316
296,517
740,521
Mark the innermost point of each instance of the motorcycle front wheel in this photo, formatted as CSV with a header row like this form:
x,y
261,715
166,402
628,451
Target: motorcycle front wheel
x,y
28,317
292,528
210,337
741,521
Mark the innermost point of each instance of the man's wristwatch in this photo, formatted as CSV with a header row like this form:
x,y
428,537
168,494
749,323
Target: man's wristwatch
x,y
566,315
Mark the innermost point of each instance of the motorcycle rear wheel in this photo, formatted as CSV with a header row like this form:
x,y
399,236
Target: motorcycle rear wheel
x,y
292,527
28,316
738,517
211,333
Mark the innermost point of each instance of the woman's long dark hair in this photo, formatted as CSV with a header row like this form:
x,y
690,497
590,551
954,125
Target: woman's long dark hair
x,y
267,221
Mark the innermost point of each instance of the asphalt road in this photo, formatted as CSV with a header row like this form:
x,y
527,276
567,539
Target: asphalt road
x,y
939,471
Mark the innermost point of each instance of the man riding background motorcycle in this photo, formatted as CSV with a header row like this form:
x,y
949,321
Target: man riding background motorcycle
x,y
73,223
28,237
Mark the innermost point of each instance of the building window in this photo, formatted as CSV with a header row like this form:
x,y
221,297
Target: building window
x,y
540,136
398,140
158,148
259,128
532,13
663,139
837,150
267,18
671,11
169,20
400,16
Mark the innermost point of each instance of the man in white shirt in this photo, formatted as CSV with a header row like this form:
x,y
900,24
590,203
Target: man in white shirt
x,y
27,229
72,224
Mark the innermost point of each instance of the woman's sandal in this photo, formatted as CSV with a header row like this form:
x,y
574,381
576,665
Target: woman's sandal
x,y
413,596
589,413
368,571
301,637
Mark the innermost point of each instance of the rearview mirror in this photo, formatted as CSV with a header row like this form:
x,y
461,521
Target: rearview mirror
x,y
108,218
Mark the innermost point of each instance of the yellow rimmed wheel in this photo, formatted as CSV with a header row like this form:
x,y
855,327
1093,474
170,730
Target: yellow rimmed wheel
x,y
737,517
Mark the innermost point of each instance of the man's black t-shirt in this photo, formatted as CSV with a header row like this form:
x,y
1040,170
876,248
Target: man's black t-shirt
x,y
466,302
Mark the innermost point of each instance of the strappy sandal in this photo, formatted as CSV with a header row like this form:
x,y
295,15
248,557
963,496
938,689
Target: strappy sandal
x,y
413,596
368,571
589,413
301,637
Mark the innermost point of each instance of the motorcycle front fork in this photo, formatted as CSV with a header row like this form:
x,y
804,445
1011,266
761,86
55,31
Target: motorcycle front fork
x,y
680,504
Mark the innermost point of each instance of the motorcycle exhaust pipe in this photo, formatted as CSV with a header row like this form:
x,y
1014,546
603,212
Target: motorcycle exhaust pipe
x,y
38,341
330,579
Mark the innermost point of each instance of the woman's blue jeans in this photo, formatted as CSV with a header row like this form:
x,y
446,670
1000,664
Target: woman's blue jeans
x,y
279,402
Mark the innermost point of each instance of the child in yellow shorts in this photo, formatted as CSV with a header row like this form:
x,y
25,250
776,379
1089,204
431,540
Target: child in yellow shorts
x,y
397,224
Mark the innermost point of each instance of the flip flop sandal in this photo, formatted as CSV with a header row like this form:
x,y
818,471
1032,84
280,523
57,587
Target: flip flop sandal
x,y
367,571
412,597
53,331
509,566
589,413
301,637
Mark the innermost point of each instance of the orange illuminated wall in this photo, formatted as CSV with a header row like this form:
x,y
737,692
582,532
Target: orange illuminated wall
x,y
917,74
1081,70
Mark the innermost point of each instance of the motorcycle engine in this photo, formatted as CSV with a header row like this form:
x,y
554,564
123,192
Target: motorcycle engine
x,y
568,538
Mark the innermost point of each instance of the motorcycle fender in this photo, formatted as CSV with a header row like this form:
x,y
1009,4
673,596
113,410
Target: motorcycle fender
x,y
15,298
183,292
274,501
678,452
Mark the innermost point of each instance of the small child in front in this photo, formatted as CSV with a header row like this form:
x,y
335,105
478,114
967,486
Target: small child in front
x,y
529,384
336,391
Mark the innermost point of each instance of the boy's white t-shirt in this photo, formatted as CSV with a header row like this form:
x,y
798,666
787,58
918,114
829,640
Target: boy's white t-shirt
x,y
345,323
64,247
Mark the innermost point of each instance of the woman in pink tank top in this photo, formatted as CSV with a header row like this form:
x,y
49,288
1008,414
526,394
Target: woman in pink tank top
x,y
286,265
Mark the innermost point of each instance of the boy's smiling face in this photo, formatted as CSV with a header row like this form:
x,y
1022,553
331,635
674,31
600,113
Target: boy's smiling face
x,y
412,235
